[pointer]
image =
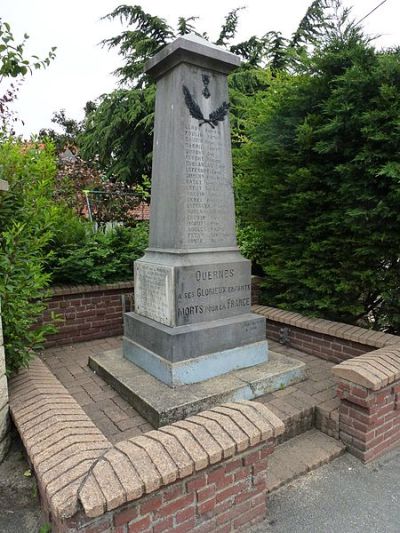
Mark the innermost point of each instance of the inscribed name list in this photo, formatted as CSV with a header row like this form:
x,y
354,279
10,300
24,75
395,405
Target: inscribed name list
x,y
207,189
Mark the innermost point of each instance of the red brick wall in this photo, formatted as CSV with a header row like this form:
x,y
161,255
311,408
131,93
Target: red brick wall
x,y
321,345
369,421
93,312
87,312
227,497
255,289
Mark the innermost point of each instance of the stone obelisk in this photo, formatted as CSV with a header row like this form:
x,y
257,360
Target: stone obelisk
x,y
192,318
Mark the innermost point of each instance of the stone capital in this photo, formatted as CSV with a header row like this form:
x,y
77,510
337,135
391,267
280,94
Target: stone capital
x,y
195,51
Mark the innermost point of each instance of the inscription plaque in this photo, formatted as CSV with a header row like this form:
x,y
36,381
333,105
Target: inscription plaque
x,y
154,292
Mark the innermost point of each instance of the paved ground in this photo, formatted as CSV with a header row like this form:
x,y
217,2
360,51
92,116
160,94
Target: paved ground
x,y
341,497
118,420
111,413
19,505
300,455
344,496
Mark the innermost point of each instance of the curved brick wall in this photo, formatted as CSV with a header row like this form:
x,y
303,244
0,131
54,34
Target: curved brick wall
x,y
193,475
328,340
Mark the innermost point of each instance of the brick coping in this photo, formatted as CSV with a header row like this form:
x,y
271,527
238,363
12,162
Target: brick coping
x,y
373,370
375,339
76,466
64,290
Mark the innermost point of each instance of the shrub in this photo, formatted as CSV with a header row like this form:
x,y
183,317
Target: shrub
x,y
320,179
96,258
27,218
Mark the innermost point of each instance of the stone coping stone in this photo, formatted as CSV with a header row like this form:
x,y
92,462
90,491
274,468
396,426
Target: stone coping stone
x,y
161,404
367,337
372,370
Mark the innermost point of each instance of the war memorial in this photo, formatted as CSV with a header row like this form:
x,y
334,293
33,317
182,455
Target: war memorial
x,y
192,341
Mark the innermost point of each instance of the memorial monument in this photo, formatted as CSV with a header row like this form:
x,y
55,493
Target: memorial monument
x,y
192,319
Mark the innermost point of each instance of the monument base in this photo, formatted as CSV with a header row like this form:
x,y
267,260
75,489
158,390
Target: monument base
x,y
198,368
161,405
194,352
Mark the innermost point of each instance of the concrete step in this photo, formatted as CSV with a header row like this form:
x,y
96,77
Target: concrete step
x,y
301,411
301,454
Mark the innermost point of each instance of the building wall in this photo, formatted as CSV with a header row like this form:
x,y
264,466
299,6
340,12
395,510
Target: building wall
x,y
4,416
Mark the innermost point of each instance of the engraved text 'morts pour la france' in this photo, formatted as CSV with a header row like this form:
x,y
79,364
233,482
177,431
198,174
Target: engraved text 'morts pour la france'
x,y
194,109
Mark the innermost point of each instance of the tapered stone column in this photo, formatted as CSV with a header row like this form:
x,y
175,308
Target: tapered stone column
x,y
192,318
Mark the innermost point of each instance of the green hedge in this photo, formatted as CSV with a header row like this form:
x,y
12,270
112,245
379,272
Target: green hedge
x,y
81,256
28,216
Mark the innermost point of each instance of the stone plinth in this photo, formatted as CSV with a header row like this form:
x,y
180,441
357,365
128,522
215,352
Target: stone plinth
x,y
192,318
161,405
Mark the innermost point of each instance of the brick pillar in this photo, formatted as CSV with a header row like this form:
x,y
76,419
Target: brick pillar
x,y
369,415
4,416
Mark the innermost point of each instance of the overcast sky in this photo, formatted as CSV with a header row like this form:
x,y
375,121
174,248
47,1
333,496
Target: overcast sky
x,y
82,68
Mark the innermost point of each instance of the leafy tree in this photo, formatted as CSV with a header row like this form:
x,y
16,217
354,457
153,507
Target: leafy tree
x,y
135,46
16,65
27,213
318,185
70,129
117,133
